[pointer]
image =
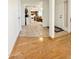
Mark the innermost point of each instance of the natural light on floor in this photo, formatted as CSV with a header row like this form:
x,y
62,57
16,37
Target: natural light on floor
x,y
41,39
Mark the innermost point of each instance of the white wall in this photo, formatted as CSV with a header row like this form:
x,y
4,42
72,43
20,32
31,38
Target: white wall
x,y
59,7
19,14
40,7
61,11
22,14
13,24
69,15
45,13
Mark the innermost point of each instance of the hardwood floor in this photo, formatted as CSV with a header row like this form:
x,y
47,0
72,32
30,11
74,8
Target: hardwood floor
x,y
62,33
34,29
42,48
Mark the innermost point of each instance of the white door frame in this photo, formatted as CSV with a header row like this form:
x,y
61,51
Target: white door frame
x,y
51,17
68,11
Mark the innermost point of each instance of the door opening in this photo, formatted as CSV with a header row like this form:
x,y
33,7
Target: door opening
x,y
36,19
61,17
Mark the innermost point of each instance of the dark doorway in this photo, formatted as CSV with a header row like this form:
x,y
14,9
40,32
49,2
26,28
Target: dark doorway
x,y
26,15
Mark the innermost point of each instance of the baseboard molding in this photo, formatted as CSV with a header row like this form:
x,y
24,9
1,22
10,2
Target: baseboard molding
x,y
52,37
12,47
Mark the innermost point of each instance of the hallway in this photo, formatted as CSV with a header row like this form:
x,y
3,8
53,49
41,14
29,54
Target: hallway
x,y
34,29
47,48
37,40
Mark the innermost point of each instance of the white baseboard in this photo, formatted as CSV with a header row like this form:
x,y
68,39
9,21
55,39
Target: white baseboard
x,y
13,43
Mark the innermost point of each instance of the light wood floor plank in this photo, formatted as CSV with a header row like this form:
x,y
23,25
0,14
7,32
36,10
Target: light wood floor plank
x,y
46,48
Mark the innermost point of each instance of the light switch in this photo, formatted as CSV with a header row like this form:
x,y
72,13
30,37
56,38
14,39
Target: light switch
x,y
60,16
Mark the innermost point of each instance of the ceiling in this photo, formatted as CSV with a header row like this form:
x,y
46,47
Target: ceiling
x,y
31,1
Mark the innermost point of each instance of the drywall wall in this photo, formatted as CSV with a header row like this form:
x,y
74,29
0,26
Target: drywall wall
x,y
45,13
19,14
63,14
59,13
51,17
69,15
13,24
22,14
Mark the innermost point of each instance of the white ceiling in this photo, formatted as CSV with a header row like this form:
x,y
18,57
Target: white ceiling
x,y
31,1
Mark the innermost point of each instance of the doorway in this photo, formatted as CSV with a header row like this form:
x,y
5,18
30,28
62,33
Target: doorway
x,y
61,17
36,19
